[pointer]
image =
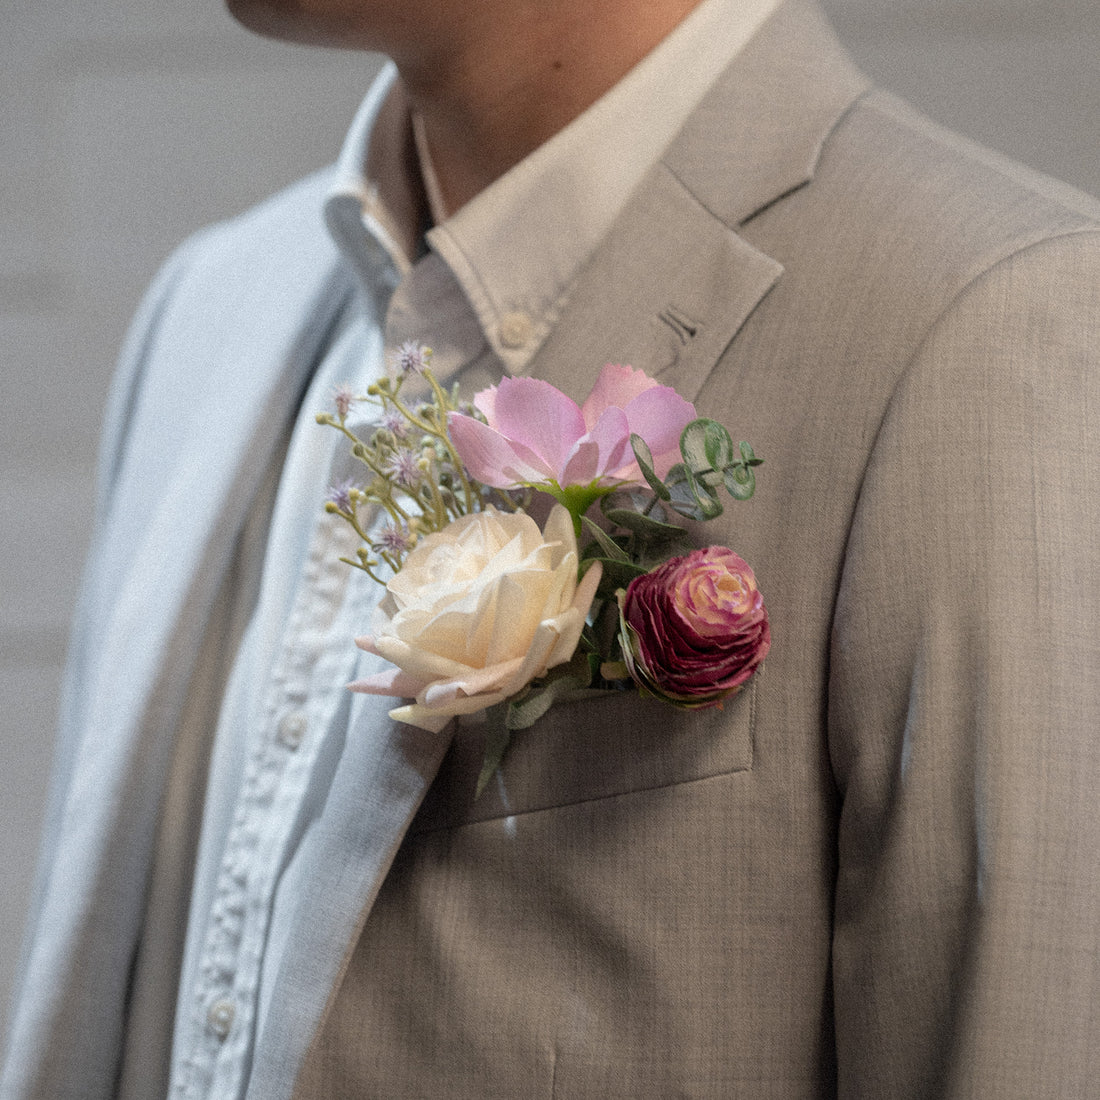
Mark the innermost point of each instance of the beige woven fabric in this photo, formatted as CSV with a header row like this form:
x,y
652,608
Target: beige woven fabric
x,y
873,875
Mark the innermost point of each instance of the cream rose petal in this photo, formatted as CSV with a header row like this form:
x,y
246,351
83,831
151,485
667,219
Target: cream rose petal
x,y
479,611
480,682
417,663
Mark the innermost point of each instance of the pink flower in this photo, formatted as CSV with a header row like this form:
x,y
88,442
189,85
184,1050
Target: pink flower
x,y
535,435
694,629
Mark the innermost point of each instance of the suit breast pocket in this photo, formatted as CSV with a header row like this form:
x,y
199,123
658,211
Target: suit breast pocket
x,y
599,748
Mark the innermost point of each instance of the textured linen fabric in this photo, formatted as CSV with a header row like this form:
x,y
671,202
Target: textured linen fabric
x,y
871,874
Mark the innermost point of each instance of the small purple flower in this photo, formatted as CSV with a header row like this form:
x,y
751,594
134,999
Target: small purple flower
x,y
394,540
340,495
395,423
403,466
412,358
343,397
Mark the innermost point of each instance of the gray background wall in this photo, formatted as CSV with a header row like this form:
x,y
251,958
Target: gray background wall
x,y
124,124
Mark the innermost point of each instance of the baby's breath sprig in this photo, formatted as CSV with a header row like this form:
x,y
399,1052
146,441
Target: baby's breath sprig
x,y
414,473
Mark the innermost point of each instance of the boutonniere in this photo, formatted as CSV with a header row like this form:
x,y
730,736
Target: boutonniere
x,y
483,609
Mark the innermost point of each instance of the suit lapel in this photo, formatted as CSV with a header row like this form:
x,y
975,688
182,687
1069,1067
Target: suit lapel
x,y
675,280
384,772
665,293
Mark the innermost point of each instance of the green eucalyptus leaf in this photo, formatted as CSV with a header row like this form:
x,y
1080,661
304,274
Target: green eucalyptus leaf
x,y
633,497
635,500
706,499
740,481
676,476
683,501
605,542
718,445
542,697
693,446
497,736
709,507
644,457
646,526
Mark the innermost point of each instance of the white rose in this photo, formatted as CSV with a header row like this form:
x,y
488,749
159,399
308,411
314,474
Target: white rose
x,y
476,613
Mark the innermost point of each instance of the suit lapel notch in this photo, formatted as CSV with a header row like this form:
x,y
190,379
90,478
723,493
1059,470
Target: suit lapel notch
x,y
760,131
674,281
666,292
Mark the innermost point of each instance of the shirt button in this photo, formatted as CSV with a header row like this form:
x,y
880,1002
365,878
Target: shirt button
x,y
515,329
292,729
219,1017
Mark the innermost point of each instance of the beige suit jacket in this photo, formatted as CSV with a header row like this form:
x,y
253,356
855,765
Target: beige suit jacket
x,y
871,875
876,873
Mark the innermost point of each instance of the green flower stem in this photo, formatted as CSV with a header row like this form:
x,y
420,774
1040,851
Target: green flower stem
x,y
349,517
437,433
577,499
441,404
366,569
435,498
396,512
329,419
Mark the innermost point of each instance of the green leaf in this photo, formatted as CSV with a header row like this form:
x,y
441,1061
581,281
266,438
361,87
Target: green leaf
x,y
683,501
605,542
497,737
740,481
676,476
616,575
717,445
634,498
646,526
706,499
707,447
644,457
693,446
542,697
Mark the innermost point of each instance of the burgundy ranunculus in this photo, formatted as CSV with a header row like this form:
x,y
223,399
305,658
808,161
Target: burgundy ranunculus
x,y
694,629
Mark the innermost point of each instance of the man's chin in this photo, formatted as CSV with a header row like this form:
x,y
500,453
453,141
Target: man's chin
x,y
303,21
271,18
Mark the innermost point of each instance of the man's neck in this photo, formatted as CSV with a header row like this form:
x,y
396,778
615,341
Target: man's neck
x,y
515,75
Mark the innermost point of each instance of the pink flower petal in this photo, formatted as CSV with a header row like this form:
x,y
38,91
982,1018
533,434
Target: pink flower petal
x,y
616,387
659,416
604,449
539,416
485,402
583,465
492,459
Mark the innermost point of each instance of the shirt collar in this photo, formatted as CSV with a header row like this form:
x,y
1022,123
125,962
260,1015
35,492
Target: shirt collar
x,y
371,205
517,246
